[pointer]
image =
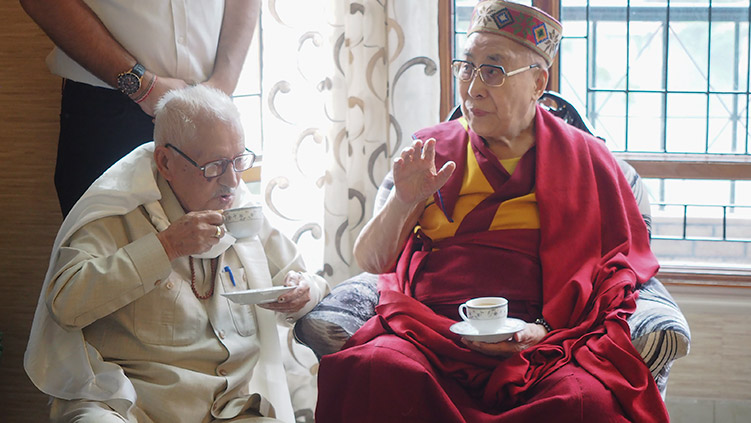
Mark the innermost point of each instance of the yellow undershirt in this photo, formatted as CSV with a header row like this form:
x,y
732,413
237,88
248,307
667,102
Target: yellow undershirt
x,y
516,213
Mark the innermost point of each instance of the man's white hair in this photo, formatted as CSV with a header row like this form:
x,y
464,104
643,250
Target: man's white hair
x,y
178,112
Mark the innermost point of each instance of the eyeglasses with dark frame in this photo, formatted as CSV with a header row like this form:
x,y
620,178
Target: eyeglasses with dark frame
x,y
217,168
491,75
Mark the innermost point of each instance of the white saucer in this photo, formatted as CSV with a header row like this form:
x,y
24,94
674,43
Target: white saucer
x,y
258,296
509,328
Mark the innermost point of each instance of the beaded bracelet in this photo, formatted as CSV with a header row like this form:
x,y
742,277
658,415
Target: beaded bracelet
x,y
544,324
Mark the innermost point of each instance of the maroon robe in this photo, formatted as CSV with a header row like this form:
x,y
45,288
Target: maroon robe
x,y
580,272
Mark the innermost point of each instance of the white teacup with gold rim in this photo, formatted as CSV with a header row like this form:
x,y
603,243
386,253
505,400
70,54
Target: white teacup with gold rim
x,y
486,314
244,222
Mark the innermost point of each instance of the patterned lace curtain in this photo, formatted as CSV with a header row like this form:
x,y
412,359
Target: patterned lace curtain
x,y
345,84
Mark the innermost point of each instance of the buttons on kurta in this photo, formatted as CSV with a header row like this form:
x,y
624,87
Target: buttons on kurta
x,y
222,334
169,285
223,372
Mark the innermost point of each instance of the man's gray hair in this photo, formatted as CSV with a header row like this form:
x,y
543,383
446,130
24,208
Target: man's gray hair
x,y
179,110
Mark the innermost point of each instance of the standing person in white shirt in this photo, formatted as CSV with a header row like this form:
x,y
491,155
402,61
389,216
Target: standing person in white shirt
x,y
118,57
131,324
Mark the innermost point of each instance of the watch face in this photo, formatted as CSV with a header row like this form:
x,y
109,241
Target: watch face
x,y
128,83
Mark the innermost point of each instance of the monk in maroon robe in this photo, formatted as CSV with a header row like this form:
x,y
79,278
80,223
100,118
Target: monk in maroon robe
x,y
522,206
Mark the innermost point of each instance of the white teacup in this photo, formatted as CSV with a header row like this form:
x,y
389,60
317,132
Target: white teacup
x,y
244,222
486,314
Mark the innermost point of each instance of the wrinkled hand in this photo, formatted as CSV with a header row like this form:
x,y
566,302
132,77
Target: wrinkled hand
x,y
415,176
161,87
294,300
193,233
531,335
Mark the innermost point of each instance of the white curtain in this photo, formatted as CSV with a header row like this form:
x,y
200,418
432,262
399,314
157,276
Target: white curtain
x,y
345,83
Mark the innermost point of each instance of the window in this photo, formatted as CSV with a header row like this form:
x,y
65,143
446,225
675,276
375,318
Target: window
x,y
247,98
666,84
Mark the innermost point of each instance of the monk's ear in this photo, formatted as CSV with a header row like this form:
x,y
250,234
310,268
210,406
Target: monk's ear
x,y
541,83
164,164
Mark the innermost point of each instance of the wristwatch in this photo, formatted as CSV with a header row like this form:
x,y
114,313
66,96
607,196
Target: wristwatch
x,y
129,81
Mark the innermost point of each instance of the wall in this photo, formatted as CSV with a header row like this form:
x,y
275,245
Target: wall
x,y
29,214
713,383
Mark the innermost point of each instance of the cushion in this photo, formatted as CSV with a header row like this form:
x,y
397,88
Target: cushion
x,y
331,323
659,331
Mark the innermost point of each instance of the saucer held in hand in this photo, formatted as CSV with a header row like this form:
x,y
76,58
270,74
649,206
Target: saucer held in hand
x,y
469,332
258,296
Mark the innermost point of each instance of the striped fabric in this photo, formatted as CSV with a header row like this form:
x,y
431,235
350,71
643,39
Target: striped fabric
x,y
659,331
640,192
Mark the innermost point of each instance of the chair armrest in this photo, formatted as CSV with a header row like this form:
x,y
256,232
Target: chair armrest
x,y
659,330
641,194
341,313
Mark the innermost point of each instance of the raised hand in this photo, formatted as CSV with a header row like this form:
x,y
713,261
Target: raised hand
x,y
415,175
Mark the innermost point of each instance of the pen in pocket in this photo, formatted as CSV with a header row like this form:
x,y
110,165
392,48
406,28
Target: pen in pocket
x,y
231,276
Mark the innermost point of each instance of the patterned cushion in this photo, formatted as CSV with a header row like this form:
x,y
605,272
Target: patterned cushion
x,y
658,329
330,324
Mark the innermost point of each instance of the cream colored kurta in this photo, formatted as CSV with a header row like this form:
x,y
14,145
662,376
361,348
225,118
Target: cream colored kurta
x,y
188,359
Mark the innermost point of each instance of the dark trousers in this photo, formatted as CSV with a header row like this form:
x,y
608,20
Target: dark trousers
x,y
98,126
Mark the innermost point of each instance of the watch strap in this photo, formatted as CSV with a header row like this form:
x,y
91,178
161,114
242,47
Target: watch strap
x,y
138,69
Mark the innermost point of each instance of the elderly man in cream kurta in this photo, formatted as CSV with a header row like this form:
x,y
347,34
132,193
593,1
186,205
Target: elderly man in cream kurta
x,y
131,324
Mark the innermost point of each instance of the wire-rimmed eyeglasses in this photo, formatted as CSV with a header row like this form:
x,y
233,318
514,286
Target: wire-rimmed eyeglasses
x,y
491,75
216,168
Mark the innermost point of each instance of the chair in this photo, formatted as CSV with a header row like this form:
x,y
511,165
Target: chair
x,y
659,330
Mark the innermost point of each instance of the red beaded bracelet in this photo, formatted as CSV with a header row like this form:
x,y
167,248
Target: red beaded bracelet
x,y
151,87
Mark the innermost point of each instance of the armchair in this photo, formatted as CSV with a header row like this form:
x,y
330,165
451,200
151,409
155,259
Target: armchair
x,y
659,330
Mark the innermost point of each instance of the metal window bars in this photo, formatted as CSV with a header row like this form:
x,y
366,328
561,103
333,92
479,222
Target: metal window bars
x,y
701,222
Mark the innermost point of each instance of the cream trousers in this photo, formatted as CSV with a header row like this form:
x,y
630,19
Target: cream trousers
x,y
82,411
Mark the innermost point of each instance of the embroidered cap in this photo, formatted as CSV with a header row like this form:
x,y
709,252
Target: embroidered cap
x,y
526,25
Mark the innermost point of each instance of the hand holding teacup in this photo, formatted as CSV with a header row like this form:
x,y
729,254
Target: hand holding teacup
x,y
490,314
194,233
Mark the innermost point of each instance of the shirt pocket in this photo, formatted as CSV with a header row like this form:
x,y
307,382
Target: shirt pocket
x,y
243,315
169,314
